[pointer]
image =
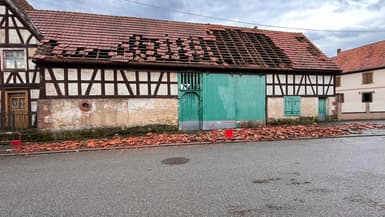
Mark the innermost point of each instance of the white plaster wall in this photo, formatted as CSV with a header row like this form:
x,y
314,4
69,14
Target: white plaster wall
x,y
276,105
352,87
2,9
331,107
65,114
378,104
2,36
352,102
275,108
354,81
309,106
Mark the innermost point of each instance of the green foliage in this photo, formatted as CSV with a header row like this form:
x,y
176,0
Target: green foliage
x,y
35,135
299,121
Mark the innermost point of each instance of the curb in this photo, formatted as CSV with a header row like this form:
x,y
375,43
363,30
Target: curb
x,y
175,145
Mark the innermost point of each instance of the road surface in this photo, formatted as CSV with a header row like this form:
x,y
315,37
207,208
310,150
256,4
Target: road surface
x,y
326,177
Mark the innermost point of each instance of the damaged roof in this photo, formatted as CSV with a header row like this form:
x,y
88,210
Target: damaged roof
x,y
92,37
367,57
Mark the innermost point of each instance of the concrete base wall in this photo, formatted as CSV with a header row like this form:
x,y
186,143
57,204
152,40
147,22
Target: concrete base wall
x,y
66,114
362,116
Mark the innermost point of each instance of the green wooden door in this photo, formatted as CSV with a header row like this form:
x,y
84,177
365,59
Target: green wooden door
x,y
250,98
189,114
189,90
215,101
231,99
322,109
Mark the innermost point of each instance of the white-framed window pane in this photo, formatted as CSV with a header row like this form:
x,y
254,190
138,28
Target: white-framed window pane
x,y
14,59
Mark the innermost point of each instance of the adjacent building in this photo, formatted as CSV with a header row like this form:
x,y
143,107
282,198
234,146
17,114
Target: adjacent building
x,y
361,85
69,71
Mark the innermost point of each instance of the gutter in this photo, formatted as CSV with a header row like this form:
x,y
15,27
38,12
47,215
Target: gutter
x,y
63,62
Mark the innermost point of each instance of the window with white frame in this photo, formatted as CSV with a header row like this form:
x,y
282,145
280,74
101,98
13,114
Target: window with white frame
x,y
14,59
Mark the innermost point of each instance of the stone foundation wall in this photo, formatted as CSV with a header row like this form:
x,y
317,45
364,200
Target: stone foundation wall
x,y
69,114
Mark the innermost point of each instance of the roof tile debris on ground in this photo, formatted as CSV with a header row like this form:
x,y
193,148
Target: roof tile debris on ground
x,y
271,133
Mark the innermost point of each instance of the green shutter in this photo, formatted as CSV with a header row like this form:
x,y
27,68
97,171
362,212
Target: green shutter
x,y
292,105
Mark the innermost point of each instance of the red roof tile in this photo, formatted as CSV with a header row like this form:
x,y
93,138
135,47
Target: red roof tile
x,y
367,57
92,36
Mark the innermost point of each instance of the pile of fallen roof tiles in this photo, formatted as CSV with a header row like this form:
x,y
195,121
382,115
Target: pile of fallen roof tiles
x,y
215,136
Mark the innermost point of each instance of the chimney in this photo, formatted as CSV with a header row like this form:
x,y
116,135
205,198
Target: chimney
x,y
339,51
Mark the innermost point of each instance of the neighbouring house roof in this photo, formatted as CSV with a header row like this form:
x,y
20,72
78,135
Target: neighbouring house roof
x,y
368,57
91,37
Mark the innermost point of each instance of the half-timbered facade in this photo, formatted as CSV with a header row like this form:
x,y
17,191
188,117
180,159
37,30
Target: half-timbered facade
x,y
303,94
19,77
107,71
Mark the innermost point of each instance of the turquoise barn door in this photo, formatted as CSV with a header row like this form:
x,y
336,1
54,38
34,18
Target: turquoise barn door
x,y
322,109
250,104
189,90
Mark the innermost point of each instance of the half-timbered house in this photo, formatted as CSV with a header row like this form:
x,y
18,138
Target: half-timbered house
x,y
94,70
19,79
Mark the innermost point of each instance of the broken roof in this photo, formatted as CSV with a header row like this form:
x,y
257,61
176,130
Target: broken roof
x,y
86,37
367,57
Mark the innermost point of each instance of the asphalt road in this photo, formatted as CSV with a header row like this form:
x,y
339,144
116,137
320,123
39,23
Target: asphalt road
x,y
327,177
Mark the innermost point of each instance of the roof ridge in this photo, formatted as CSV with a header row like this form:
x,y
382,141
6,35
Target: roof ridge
x,y
361,47
170,21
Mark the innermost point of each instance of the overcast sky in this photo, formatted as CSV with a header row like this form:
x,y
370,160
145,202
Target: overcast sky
x,y
344,15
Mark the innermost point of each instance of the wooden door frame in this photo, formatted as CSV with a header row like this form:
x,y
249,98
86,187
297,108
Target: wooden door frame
x,y
26,101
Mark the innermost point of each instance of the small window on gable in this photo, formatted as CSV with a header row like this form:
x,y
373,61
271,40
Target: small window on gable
x,y
367,97
367,78
292,105
338,81
14,59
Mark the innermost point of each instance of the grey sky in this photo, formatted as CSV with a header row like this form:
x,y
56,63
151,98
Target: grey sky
x,y
316,14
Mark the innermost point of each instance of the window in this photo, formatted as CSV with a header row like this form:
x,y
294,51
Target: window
x,y
14,59
367,97
190,81
338,81
367,78
292,105
340,98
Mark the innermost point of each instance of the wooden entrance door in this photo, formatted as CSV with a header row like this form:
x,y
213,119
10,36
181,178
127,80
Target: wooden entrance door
x,y
189,113
17,109
322,109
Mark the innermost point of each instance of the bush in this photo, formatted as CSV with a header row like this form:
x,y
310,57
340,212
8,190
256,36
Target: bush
x,y
35,135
